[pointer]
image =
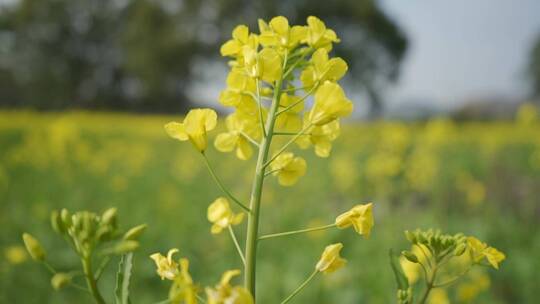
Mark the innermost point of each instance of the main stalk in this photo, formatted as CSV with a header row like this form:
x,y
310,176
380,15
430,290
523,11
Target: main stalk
x,y
256,192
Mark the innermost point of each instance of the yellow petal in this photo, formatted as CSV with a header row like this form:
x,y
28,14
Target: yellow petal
x,y
176,130
337,67
271,65
243,150
280,25
241,33
226,142
230,48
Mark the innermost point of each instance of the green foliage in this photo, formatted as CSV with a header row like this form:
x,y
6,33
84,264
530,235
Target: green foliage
x,y
122,279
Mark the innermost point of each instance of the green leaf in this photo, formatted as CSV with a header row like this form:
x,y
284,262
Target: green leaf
x,y
401,279
122,279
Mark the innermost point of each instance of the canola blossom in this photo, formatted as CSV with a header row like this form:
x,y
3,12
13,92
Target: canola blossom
x,y
167,268
330,260
221,215
360,217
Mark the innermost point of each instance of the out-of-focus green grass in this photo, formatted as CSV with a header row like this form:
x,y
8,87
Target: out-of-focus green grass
x,y
477,178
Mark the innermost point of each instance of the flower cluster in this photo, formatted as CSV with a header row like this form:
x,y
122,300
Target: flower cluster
x,y
184,290
443,259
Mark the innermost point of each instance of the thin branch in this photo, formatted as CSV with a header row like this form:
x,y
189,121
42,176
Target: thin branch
x,y
220,184
237,245
293,139
251,140
259,105
297,290
292,105
269,236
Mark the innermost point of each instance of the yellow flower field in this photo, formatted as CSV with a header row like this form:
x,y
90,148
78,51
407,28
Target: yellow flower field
x,y
480,178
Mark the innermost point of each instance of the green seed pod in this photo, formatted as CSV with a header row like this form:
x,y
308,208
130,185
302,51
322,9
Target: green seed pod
x,y
56,222
411,257
135,232
33,247
460,249
60,280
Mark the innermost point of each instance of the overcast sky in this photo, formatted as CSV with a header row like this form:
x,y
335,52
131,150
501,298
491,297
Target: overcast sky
x,y
462,49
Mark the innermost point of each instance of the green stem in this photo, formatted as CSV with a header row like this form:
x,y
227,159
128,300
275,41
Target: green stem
x,y
269,236
237,245
429,285
294,293
90,281
259,105
256,192
220,184
102,266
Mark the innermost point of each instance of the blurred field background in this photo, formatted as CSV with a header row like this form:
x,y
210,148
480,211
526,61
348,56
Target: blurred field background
x,y
441,137
477,178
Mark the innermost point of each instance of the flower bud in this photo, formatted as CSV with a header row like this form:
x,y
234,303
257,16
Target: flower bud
x,y
34,248
460,249
56,222
60,280
109,217
411,257
411,237
66,218
135,232
125,247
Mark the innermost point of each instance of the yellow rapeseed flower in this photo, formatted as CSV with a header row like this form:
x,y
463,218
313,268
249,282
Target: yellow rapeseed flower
x,y
15,254
238,127
240,37
224,293
360,217
183,290
320,137
330,260
480,250
278,33
288,168
318,36
330,104
322,69
290,121
221,216
166,267
238,91
194,127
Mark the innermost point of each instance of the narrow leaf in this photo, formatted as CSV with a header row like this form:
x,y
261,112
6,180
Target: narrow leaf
x,y
122,279
401,279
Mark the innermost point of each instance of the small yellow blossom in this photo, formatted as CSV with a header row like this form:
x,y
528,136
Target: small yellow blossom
x,y
224,293
323,69
360,217
238,91
166,267
279,33
480,250
240,37
266,64
330,104
183,291
330,260
320,137
194,127
221,215
239,126
318,36
288,168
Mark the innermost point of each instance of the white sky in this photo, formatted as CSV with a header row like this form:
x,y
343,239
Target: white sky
x,y
462,49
